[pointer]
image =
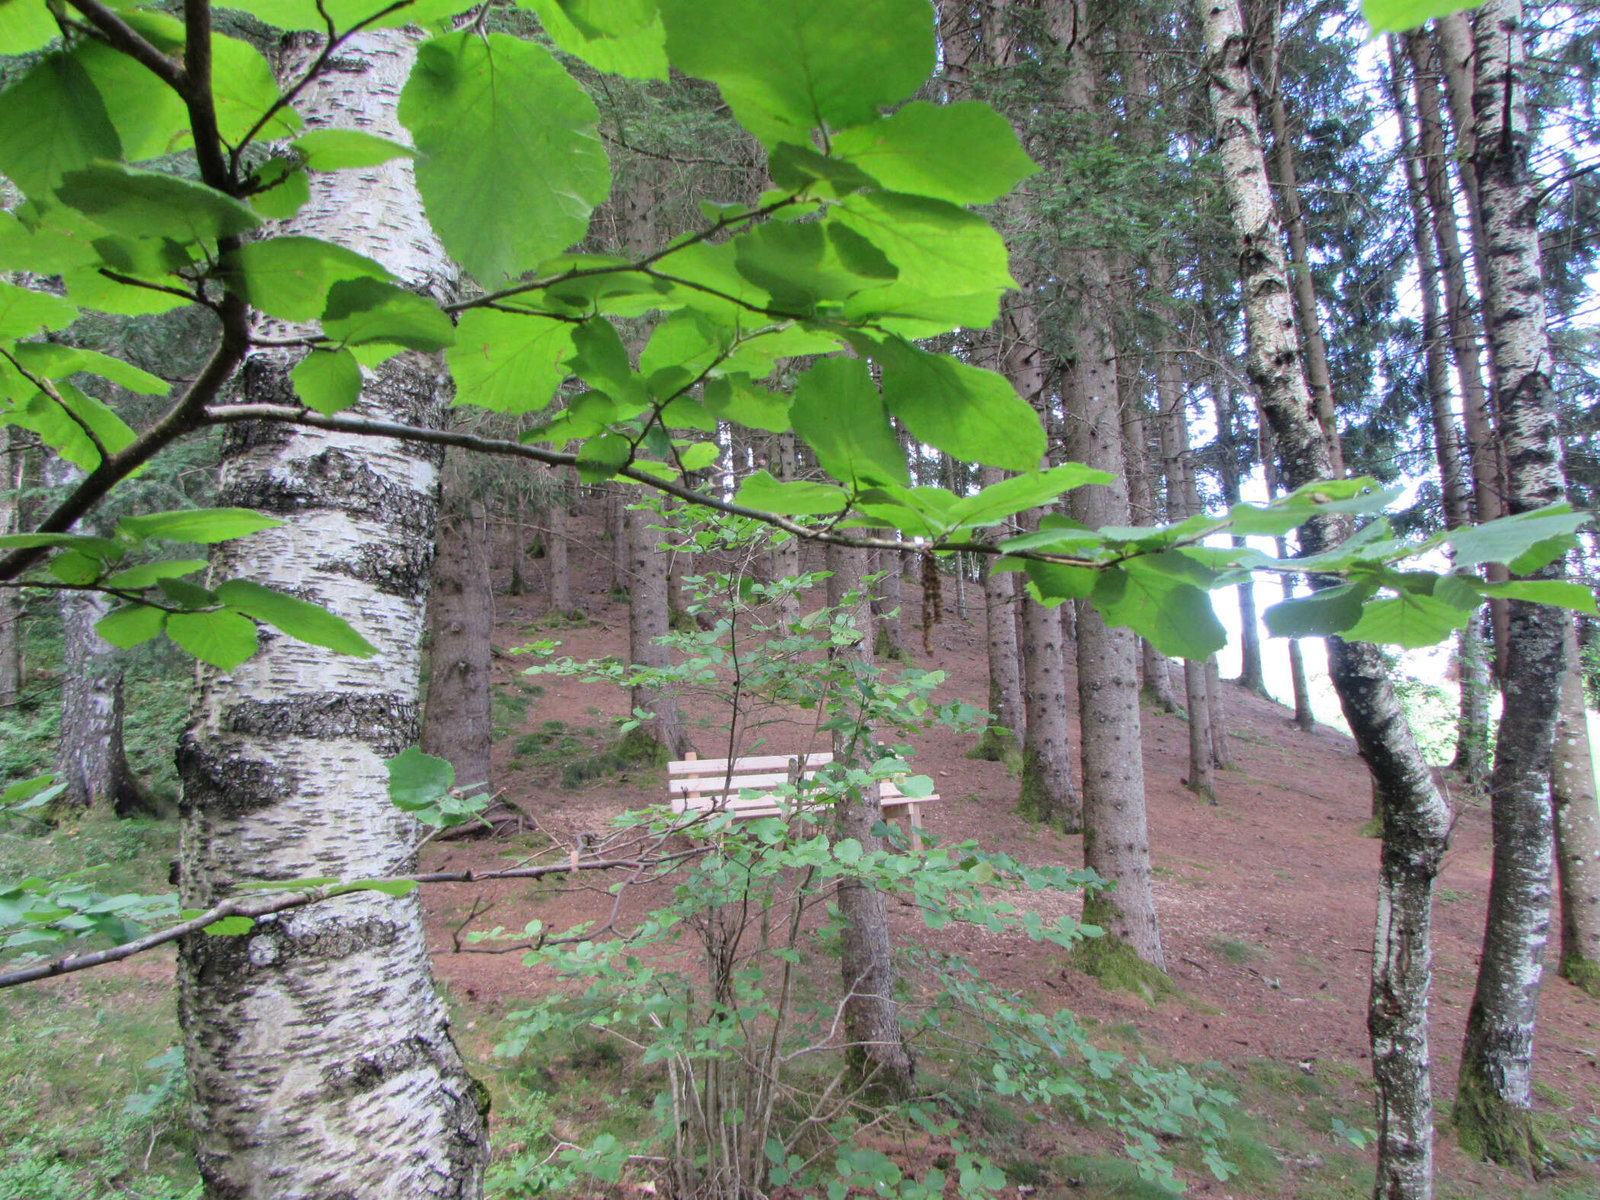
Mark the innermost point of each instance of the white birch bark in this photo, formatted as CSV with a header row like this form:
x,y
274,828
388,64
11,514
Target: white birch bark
x,y
1494,1096
317,1048
1416,818
1577,830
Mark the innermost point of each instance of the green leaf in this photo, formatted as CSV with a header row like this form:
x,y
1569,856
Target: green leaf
x,y
1021,492
149,204
366,311
1544,591
70,567
147,574
1410,620
965,153
1524,542
231,926
507,362
284,189
1056,582
327,381
1324,612
803,63
679,349
840,415
205,525
188,595
345,14
389,887
1176,617
223,639
634,51
61,424
52,121
953,265
510,166
290,277
131,625
972,414
600,458
24,313
1393,16
342,149
418,780
798,498
51,360
800,266
298,618
105,549
699,456
26,25
26,789
734,398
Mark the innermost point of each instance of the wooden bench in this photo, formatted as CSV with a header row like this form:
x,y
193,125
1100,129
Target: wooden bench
x,y
708,785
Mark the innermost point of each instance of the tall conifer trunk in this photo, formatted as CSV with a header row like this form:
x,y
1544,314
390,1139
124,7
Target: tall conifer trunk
x,y
1005,672
1416,819
10,605
1577,823
317,1049
456,723
1494,1096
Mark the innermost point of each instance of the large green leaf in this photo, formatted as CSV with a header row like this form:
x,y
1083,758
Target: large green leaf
x,y
149,204
796,498
196,525
24,313
507,362
418,780
1021,492
635,49
1324,612
510,166
66,423
800,266
327,381
298,618
840,415
289,277
964,152
51,360
1410,619
971,414
1544,591
52,121
1524,542
364,312
601,360
341,149
131,625
345,14
1392,16
735,398
1174,616
26,25
798,64
148,574
222,638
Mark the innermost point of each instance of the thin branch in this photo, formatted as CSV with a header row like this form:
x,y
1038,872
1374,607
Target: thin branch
x,y
122,38
255,907
49,389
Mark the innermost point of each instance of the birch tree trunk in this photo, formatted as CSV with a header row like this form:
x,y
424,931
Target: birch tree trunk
x,y
1577,822
1416,819
317,1048
456,723
877,1049
1494,1098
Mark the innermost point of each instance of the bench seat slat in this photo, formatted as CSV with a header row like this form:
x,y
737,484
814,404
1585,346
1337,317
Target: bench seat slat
x,y
770,762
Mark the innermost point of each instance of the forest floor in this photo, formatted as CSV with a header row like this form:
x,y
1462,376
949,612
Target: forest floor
x,y
1266,903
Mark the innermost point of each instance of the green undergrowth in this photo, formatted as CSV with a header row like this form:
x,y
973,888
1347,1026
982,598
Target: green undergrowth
x,y
91,1096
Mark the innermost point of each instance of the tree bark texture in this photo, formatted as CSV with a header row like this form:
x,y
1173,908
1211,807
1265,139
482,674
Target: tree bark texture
x,y
10,606
456,723
558,582
786,552
648,623
317,1049
1005,671
877,1047
1577,822
89,755
1494,1098
1416,818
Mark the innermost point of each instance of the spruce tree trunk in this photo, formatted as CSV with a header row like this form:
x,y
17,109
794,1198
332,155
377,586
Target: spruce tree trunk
x,y
1217,702
1494,1098
663,735
1116,840
10,605
786,553
317,1049
877,1049
1005,672
558,582
1047,793
1416,818
1577,822
456,719
519,545
886,609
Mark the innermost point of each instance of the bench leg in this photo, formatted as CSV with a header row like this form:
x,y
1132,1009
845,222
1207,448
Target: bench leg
x,y
914,826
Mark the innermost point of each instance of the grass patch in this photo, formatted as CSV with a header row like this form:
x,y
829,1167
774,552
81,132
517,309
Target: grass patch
x,y
1236,951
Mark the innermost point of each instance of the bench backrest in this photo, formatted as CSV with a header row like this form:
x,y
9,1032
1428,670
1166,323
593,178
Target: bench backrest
x,y
696,777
